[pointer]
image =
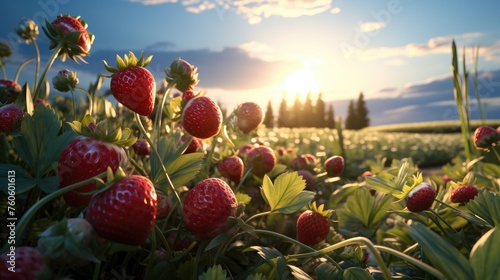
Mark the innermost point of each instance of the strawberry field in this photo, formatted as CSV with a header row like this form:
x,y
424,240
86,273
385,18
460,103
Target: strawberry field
x,y
162,185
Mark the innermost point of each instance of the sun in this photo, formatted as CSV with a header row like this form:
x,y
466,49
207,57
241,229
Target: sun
x,y
300,82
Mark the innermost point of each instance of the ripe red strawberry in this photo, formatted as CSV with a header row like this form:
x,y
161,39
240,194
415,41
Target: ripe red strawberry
x,y
23,263
188,95
463,193
261,159
207,206
11,116
84,158
485,137
305,161
202,117
164,206
195,145
249,116
133,85
243,151
420,198
334,166
124,213
67,24
141,147
313,226
9,91
308,177
232,168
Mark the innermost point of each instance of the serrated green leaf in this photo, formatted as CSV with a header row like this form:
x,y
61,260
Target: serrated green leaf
x,y
286,194
327,271
341,194
14,177
48,184
243,198
380,184
484,256
214,272
257,276
441,254
181,170
486,205
162,270
218,240
299,273
267,253
357,273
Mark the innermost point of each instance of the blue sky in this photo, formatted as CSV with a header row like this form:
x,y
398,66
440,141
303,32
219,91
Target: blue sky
x,y
255,50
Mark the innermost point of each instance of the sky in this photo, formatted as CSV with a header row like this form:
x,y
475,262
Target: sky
x,y
256,50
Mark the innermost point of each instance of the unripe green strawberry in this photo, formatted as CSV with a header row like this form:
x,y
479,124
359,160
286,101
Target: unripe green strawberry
x,y
126,212
463,193
313,225
261,159
185,74
207,207
420,198
249,116
202,117
334,166
232,168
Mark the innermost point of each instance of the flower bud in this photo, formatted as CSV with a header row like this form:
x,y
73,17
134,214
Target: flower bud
x,y
27,29
9,91
185,73
5,51
65,80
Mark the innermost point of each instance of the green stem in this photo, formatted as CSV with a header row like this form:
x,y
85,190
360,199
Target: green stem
x,y
160,161
243,179
352,241
431,270
261,214
51,61
25,219
293,241
152,255
37,64
73,103
138,167
90,99
3,69
159,109
18,72
496,153
97,271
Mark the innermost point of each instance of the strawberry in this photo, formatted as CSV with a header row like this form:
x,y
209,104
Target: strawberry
x,y
334,166
231,168
248,116
11,116
164,206
71,35
23,263
183,73
313,225
202,117
133,85
125,212
243,150
463,193
305,161
9,91
141,147
195,145
486,136
87,156
207,207
187,95
308,177
261,159
420,198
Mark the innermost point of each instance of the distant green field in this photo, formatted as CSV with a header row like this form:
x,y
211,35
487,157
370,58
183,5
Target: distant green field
x,y
431,127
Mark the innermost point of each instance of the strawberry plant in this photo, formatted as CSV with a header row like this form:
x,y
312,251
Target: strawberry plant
x,y
163,185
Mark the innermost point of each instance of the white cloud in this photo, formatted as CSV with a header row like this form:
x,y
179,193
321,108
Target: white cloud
x,y
437,45
335,10
395,62
370,26
254,10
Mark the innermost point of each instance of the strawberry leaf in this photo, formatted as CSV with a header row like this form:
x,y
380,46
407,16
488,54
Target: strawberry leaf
x,y
443,255
214,272
484,256
486,205
23,181
243,198
48,184
327,271
356,273
286,195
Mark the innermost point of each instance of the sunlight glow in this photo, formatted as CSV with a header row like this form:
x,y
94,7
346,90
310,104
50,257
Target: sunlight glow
x,y
300,82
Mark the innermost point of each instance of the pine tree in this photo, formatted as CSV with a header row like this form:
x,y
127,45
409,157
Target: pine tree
x,y
296,117
319,112
308,112
269,117
283,117
330,121
362,119
351,119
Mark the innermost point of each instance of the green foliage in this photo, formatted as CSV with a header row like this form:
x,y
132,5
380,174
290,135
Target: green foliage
x,y
484,256
486,206
214,272
287,194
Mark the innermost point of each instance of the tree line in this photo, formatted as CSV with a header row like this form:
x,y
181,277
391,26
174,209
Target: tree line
x,y
307,114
